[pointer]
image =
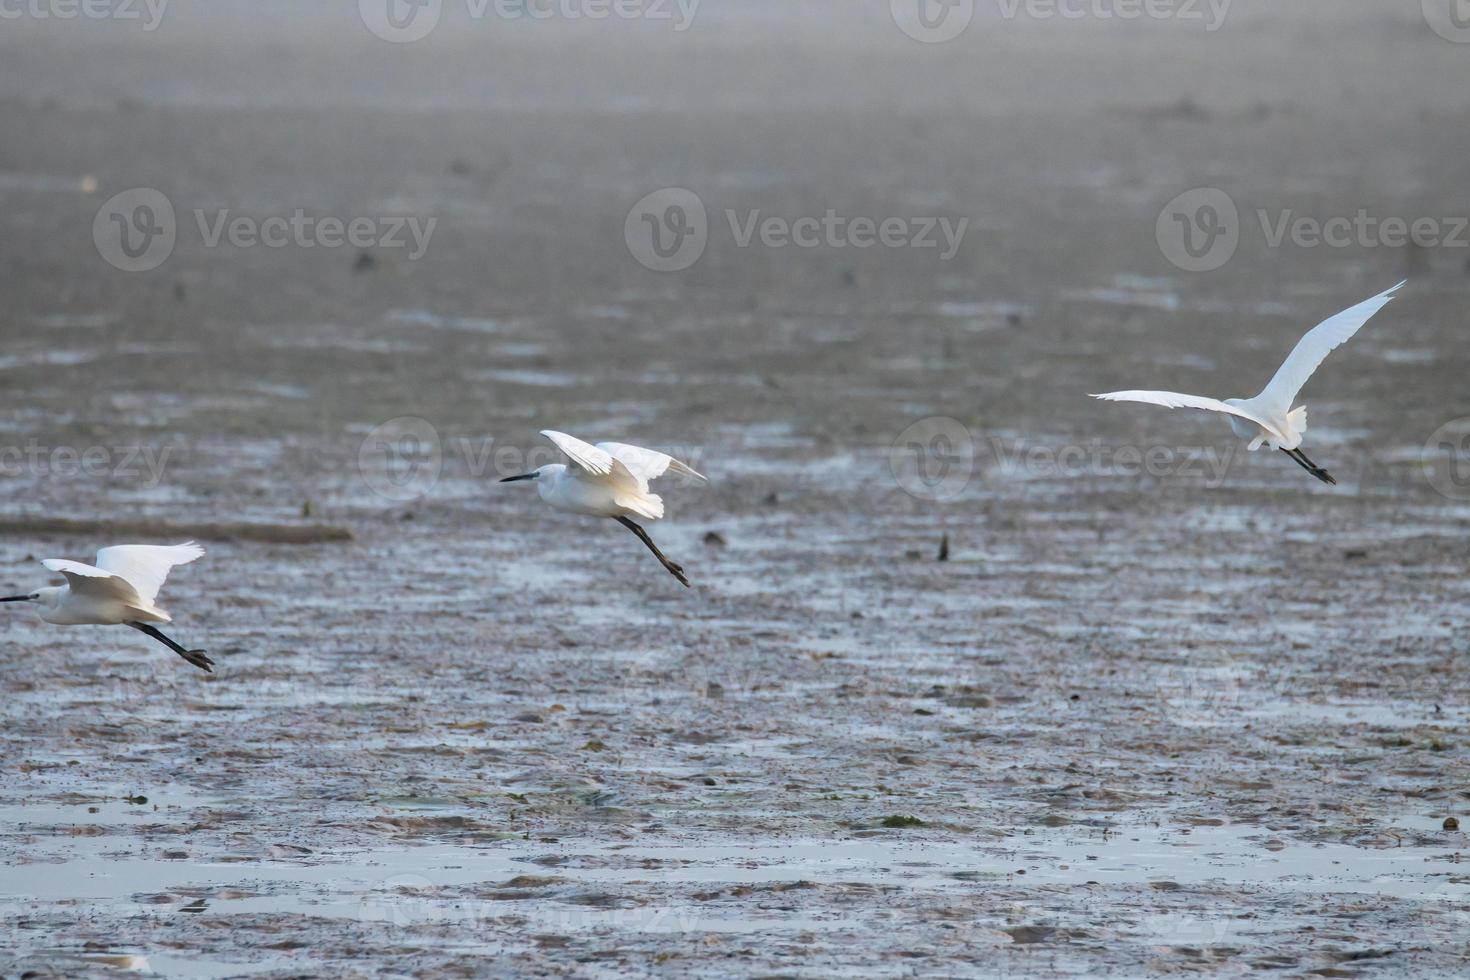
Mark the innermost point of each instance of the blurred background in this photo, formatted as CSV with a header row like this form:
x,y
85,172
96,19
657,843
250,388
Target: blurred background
x,y
303,279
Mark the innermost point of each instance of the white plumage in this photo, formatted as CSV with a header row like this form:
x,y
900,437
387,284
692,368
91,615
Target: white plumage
x,y
121,589
1269,418
608,480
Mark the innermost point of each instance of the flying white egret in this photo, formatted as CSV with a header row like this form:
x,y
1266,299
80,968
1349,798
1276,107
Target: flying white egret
x,y
609,479
118,591
1268,418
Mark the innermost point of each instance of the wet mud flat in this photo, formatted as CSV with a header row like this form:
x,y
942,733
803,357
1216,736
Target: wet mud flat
x,y
1136,723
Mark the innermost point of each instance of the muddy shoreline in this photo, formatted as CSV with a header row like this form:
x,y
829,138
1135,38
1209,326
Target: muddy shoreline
x,y
1208,717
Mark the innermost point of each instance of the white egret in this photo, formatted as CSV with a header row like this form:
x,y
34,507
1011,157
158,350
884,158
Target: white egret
x,y
120,590
609,479
1269,418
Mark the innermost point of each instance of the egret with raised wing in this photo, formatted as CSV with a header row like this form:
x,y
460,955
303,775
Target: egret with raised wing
x,y
611,480
120,590
1268,418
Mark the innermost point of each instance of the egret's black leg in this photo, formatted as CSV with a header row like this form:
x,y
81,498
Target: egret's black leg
x,y
195,657
1293,457
1309,466
674,569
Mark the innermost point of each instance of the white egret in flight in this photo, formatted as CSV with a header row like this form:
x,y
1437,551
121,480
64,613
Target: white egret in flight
x,y
1269,418
119,590
609,479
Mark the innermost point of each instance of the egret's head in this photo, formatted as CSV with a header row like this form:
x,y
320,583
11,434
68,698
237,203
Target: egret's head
x,y
533,475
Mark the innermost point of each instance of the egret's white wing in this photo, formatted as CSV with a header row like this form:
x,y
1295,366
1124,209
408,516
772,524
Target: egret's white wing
x,y
146,566
1173,399
95,583
646,463
590,458
1313,349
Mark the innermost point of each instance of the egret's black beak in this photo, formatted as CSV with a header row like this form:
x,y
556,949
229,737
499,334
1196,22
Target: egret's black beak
x,y
18,598
523,476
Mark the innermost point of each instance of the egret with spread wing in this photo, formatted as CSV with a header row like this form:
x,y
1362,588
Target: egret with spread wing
x,y
609,479
120,590
1268,418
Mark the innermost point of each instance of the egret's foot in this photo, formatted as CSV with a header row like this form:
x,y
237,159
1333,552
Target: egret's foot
x,y
195,657
198,659
1316,470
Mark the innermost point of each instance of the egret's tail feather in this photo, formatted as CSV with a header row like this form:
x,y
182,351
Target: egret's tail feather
x,y
646,505
149,614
